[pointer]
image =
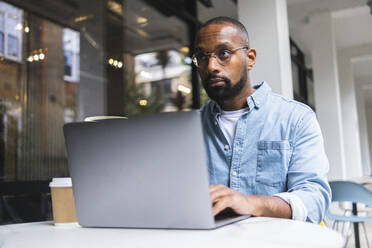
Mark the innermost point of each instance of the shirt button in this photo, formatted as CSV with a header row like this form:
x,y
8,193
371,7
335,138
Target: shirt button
x,y
234,173
215,123
226,147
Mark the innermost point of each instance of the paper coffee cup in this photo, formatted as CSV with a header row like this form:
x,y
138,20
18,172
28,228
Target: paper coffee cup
x,y
63,201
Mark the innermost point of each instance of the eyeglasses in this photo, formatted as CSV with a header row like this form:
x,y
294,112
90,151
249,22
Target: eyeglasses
x,y
223,56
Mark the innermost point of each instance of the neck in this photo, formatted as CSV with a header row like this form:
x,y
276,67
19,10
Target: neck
x,y
239,101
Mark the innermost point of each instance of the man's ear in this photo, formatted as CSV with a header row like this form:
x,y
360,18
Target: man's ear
x,y
251,55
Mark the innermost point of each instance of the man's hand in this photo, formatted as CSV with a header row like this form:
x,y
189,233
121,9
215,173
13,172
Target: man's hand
x,y
223,197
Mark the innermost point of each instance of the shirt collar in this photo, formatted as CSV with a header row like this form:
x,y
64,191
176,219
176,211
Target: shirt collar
x,y
259,97
254,101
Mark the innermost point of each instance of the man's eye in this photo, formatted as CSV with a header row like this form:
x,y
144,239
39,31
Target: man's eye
x,y
203,57
224,54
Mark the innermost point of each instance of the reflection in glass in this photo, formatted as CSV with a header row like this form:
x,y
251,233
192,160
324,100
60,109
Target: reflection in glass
x,y
68,63
296,80
158,46
13,46
11,25
62,61
135,61
14,27
310,91
1,33
164,75
71,50
1,42
1,22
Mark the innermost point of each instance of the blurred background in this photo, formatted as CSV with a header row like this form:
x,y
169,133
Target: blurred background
x,y
64,60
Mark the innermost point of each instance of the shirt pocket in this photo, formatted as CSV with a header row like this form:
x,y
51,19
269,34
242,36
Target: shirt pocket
x,y
272,162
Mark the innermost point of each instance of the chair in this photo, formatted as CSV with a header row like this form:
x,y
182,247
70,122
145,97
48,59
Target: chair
x,y
346,191
24,201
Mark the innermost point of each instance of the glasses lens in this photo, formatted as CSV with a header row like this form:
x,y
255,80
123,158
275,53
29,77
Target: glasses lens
x,y
223,55
200,59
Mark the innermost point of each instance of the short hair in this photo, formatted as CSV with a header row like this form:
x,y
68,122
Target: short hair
x,y
229,20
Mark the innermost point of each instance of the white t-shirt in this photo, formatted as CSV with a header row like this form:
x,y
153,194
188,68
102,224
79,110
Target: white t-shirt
x,y
228,120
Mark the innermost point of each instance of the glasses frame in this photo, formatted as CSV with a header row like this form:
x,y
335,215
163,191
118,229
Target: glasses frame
x,y
195,60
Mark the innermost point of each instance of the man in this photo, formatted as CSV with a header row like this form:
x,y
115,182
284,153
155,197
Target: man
x,y
265,153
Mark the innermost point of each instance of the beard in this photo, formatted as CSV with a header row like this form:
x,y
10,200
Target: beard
x,y
227,91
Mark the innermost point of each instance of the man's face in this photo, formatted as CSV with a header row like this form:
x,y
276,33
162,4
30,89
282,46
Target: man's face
x,y
226,80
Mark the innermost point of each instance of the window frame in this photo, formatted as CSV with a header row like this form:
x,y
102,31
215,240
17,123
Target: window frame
x,y
75,58
18,34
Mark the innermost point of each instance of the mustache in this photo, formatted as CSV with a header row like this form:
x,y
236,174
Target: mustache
x,y
209,81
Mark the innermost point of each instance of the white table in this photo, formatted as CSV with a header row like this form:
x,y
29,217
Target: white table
x,y
253,232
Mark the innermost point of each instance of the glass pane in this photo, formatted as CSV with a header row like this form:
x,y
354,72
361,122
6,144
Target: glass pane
x,y
161,63
1,21
10,119
13,46
84,58
127,61
68,63
13,19
42,152
295,78
71,48
2,42
310,92
166,76
14,23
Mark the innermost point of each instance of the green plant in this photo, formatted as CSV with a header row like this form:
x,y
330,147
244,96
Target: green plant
x,y
135,95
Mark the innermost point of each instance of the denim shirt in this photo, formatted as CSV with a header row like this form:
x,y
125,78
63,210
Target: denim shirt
x,y
278,147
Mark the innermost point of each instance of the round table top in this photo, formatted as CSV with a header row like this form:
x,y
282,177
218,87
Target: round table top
x,y
252,232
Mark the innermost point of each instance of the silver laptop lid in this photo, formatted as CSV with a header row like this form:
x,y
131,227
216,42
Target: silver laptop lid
x,y
147,171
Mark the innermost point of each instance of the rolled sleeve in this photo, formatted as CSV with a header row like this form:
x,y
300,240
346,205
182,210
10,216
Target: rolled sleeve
x,y
299,210
308,168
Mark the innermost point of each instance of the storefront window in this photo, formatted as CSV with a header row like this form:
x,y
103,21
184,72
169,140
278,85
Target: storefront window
x,y
303,87
165,76
82,59
71,51
11,29
2,29
63,61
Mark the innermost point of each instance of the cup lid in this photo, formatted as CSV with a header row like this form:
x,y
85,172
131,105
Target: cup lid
x,y
105,117
61,182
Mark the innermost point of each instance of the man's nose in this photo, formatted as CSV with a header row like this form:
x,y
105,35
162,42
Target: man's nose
x,y
213,65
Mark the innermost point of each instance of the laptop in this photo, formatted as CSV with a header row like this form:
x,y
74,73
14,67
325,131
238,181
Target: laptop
x,y
148,171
